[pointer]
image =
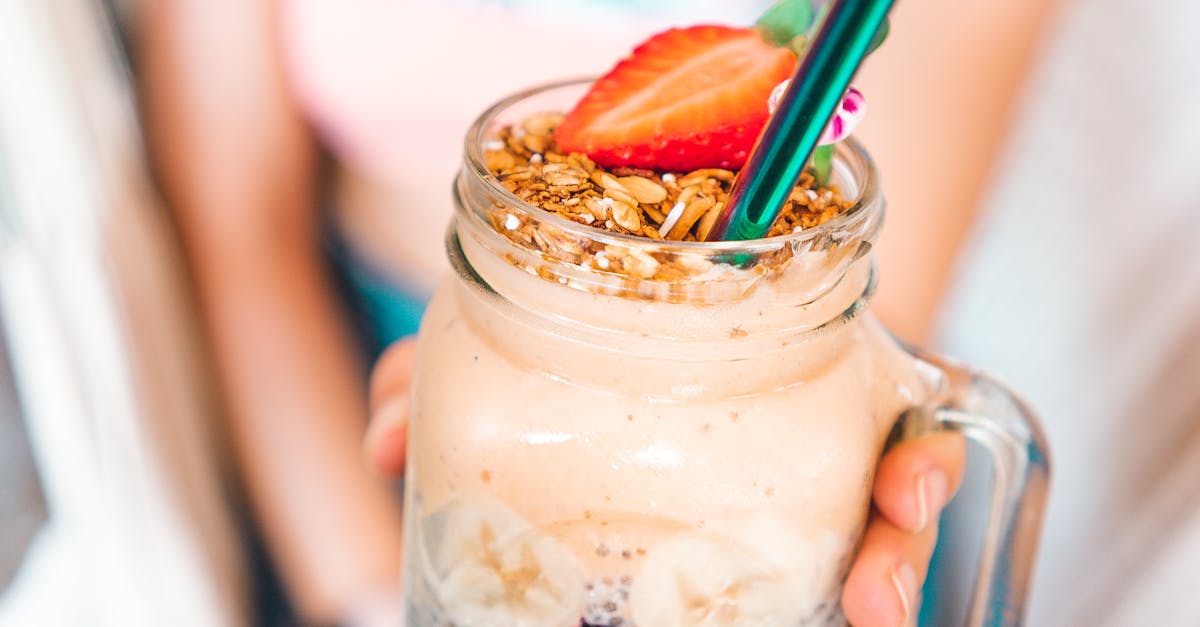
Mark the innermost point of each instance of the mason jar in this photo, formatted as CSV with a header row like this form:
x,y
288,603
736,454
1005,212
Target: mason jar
x,y
613,430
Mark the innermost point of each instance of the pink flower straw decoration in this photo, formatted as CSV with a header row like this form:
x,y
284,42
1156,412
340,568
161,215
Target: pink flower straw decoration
x,y
845,119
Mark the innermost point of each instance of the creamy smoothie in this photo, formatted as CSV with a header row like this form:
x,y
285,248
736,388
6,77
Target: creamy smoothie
x,y
655,490
588,447
619,422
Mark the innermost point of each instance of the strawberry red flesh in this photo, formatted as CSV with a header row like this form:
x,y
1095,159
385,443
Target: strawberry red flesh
x,y
685,99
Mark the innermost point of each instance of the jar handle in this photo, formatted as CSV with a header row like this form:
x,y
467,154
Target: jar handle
x,y
988,413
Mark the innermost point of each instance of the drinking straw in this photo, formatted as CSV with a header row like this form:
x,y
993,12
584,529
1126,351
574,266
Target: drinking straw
x,y
785,146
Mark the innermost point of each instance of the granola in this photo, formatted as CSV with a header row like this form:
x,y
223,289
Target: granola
x,y
663,206
670,206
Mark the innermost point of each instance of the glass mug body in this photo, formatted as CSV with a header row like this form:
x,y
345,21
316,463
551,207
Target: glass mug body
x,y
609,430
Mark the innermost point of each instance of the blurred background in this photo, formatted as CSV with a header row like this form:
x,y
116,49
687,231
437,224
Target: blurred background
x,y
214,215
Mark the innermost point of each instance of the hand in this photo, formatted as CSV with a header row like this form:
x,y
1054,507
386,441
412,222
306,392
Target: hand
x,y
388,432
914,482
384,448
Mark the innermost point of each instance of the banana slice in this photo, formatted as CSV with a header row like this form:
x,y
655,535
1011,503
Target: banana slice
x,y
487,566
758,576
814,561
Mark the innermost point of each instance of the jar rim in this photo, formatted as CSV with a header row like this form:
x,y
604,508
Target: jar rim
x,y
866,201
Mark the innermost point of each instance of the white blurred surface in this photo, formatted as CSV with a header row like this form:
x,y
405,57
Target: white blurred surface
x,y
103,348
1081,287
22,509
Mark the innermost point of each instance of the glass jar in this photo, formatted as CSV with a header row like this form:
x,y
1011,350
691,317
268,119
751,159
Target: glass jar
x,y
610,430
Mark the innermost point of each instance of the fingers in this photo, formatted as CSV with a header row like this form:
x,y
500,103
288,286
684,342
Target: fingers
x,y
387,437
884,585
913,483
387,434
916,479
392,373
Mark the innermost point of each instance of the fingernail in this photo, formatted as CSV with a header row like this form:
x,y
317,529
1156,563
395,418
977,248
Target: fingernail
x,y
931,494
904,579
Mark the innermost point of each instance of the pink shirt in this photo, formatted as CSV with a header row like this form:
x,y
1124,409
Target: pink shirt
x,y
392,86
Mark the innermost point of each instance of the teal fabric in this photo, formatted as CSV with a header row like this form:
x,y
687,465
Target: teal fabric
x,y
383,310
391,311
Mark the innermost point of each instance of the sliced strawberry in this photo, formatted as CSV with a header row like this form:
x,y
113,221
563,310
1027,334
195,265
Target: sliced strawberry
x,y
685,99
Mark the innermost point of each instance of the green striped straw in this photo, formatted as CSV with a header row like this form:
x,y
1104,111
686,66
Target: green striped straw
x,y
785,146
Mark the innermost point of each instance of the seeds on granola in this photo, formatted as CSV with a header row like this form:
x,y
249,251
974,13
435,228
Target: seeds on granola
x,y
688,194
621,196
699,176
608,181
598,206
651,232
499,160
706,223
646,192
671,218
691,214
678,206
626,216
580,162
542,124
536,143
654,214
565,178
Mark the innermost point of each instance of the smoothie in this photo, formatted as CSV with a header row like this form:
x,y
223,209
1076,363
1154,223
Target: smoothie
x,y
607,446
616,422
